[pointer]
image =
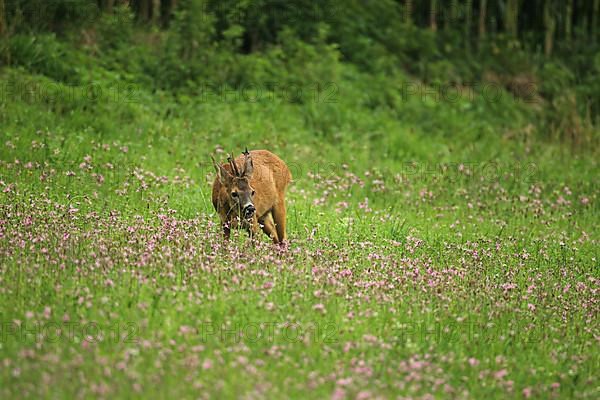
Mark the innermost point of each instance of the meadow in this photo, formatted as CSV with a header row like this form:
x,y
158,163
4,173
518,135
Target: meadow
x,y
438,247
417,265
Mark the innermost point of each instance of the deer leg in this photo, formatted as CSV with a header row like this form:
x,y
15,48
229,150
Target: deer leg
x,y
252,228
279,218
268,227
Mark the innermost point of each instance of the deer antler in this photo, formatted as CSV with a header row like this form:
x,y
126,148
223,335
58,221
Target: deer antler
x,y
233,166
248,166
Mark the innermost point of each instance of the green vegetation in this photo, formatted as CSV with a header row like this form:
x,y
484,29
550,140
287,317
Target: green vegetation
x,y
443,218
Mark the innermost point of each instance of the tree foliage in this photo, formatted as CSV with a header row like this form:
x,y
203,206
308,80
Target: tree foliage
x,y
235,41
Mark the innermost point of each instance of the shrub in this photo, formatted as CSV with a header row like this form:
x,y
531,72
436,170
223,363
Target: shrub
x,y
44,54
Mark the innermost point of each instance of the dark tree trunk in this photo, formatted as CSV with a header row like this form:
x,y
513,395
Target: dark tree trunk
x,y
595,12
2,19
432,16
569,20
482,17
511,18
155,11
142,9
453,13
468,18
550,26
450,15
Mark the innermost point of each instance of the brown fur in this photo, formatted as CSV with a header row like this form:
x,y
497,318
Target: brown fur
x,y
269,179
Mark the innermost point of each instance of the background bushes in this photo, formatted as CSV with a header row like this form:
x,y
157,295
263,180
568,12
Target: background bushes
x,y
549,47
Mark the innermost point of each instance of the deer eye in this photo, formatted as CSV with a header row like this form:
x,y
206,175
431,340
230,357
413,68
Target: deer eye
x,y
234,194
253,192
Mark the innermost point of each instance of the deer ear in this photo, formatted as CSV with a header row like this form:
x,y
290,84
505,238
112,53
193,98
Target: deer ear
x,y
248,166
224,176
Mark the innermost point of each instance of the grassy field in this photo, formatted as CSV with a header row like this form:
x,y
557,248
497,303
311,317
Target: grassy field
x,y
437,249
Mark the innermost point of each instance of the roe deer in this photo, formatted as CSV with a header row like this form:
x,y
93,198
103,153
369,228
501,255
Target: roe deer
x,y
250,191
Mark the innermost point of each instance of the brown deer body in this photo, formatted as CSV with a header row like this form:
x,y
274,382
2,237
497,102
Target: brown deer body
x,y
249,192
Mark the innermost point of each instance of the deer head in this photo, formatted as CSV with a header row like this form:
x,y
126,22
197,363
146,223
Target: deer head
x,y
237,183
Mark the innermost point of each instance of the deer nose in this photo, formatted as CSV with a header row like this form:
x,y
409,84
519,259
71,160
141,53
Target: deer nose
x,y
249,211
